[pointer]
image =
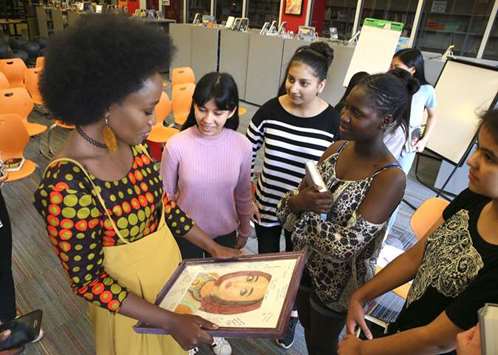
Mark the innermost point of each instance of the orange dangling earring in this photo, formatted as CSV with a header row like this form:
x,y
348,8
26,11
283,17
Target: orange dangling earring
x,y
109,137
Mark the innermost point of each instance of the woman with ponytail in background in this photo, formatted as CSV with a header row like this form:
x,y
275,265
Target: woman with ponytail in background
x,y
411,60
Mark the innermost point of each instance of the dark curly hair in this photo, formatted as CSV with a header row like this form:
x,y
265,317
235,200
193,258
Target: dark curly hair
x,y
222,88
99,61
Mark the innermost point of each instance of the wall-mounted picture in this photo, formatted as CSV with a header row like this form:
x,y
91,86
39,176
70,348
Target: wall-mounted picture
x,y
293,7
249,296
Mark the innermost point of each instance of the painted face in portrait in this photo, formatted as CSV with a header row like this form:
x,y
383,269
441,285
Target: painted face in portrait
x,y
236,292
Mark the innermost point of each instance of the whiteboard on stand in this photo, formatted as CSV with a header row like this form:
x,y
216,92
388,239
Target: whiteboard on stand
x,y
373,52
464,90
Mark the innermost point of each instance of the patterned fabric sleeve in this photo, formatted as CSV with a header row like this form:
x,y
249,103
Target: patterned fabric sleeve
x,y
177,220
76,228
286,217
335,242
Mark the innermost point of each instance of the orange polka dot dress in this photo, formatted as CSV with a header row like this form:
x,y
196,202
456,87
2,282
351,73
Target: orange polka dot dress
x,y
79,228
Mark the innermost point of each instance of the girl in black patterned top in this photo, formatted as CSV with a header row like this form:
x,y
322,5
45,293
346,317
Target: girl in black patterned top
x,y
454,267
364,186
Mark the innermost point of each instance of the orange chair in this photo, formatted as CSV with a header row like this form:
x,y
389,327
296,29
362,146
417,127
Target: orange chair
x,y
426,215
4,82
31,82
242,110
13,140
159,133
182,75
182,101
40,62
18,101
14,69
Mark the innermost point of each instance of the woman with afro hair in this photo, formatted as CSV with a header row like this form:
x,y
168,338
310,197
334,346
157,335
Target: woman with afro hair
x,y
101,197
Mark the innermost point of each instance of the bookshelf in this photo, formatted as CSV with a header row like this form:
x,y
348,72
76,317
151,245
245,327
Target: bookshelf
x,y
458,22
491,50
194,6
260,11
339,14
225,8
392,10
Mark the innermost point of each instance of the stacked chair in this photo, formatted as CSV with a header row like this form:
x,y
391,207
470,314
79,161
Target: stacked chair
x,y
13,139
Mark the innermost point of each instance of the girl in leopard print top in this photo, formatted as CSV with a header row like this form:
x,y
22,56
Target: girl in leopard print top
x,y
364,185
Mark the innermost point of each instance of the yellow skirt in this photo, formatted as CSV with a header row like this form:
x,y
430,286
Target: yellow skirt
x,y
143,267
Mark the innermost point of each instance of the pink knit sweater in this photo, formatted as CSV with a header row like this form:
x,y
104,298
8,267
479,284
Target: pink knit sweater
x,y
209,177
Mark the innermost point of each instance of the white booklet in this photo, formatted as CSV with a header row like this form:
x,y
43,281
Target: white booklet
x,y
488,323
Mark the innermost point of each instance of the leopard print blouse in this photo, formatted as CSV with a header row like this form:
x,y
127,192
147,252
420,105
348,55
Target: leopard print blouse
x,y
343,249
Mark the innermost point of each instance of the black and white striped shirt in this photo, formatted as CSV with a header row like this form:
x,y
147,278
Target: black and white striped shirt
x,y
289,142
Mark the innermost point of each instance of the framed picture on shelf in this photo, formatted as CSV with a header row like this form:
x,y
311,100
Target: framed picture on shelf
x,y
293,7
252,295
244,24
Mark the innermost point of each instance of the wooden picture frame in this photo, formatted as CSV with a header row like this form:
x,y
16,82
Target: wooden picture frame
x,y
266,316
293,7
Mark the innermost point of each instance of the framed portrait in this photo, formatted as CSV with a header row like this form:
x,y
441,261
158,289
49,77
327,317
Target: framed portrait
x,y
252,295
244,24
293,7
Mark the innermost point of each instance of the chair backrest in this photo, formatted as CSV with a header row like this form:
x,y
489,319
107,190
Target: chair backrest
x,y
163,108
40,62
13,136
426,215
182,97
31,82
4,82
182,75
14,69
16,101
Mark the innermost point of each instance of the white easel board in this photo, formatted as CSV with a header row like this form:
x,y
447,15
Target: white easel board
x,y
375,48
464,90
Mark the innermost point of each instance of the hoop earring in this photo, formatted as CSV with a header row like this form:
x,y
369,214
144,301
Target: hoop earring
x,y
109,137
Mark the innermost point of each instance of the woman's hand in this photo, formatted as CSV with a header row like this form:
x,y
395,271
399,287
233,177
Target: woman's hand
x,y
221,252
469,342
241,241
350,345
309,199
3,337
190,331
356,317
255,215
420,144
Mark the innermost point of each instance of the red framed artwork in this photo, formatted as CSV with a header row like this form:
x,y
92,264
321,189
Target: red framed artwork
x,y
293,7
249,296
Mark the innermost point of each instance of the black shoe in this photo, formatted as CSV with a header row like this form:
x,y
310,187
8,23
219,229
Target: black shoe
x,y
288,339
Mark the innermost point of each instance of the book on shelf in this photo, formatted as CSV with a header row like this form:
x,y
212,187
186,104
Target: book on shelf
x,y
488,324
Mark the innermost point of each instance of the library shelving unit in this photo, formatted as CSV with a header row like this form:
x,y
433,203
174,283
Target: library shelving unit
x,y
491,50
197,6
261,11
458,22
339,14
393,10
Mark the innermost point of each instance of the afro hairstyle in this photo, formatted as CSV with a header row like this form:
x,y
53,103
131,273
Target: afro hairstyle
x,y
97,62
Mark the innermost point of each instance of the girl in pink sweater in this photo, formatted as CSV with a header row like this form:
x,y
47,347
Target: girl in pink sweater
x,y
206,167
